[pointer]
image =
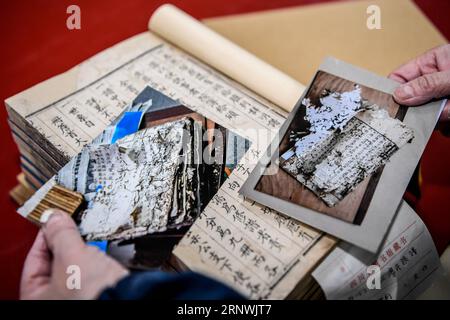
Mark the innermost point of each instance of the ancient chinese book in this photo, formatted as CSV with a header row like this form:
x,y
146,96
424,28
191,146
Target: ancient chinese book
x,y
41,159
254,249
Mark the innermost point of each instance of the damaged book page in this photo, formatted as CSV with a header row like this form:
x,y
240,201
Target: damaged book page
x,y
347,139
344,156
143,183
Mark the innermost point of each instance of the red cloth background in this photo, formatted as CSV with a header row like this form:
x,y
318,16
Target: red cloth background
x,y
37,45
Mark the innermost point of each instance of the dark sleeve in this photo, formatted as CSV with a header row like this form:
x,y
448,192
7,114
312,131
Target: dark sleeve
x,y
168,286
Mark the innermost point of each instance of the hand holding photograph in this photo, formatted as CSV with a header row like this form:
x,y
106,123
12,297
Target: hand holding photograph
x,y
344,156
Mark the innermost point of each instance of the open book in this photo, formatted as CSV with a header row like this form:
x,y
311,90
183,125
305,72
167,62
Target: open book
x,y
250,247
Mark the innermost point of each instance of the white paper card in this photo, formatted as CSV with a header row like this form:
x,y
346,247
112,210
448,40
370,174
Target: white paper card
x,y
408,263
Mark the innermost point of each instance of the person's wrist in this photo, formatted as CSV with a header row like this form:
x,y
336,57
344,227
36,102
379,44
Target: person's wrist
x,y
115,277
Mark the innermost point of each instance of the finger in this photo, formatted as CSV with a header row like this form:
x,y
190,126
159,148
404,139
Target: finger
x,y
423,89
444,120
435,60
38,258
396,77
60,232
37,267
445,115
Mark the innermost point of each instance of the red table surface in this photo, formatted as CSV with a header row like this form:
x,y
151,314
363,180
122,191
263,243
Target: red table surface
x,y
37,45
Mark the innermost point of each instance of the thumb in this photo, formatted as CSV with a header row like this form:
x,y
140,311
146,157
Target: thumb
x,y
60,231
423,89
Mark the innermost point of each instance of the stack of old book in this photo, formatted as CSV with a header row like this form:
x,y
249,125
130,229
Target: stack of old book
x,y
39,159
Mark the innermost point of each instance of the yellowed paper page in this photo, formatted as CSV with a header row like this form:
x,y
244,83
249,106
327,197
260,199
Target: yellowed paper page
x,y
252,248
58,87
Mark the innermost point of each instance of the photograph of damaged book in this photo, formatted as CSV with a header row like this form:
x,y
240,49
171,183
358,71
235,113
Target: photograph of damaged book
x,y
343,158
149,173
336,145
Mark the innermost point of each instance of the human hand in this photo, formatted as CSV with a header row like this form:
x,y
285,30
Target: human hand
x,y
425,78
59,245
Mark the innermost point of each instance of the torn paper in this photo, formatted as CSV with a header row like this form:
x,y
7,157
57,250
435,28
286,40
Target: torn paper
x,y
144,183
348,140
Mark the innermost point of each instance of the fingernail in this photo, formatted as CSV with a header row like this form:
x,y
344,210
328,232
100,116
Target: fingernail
x,y
404,92
45,216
